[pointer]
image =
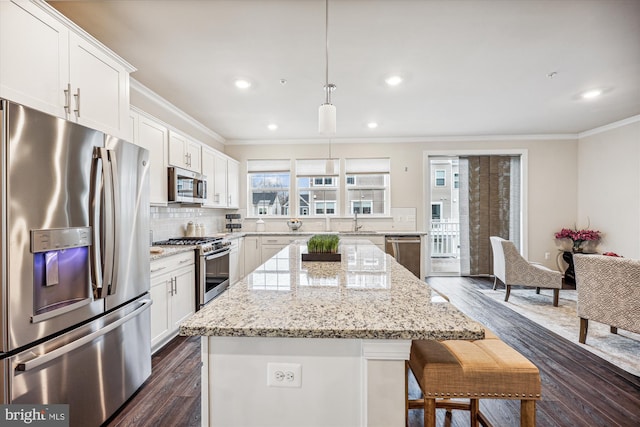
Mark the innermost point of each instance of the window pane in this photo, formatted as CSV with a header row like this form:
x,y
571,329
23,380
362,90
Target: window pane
x,y
317,196
367,194
269,193
435,211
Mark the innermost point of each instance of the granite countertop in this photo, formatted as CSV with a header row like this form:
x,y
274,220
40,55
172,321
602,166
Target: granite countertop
x,y
368,295
168,251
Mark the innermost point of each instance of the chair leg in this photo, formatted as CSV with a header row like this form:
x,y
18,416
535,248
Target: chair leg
x,y
495,282
614,330
537,290
584,326
429,412
474,408
556,297
527,413
506,295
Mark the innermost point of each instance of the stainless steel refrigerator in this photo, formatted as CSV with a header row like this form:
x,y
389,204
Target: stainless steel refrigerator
x,y
74,261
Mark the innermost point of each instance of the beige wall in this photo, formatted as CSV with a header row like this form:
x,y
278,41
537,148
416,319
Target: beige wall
x,y
609,187
552,172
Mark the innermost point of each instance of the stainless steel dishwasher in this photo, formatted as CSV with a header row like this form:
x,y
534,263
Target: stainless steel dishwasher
x,y
406,250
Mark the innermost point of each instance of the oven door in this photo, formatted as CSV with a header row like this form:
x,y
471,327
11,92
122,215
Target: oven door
x,y
214,275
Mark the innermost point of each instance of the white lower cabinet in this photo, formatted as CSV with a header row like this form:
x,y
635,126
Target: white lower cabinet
x,y
236,260
271,245
173,291
251,253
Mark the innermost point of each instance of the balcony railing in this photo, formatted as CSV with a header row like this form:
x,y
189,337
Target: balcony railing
x,y
445,239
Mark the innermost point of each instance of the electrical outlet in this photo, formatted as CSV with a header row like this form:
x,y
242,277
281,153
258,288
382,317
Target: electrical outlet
x,y
547,255
284,375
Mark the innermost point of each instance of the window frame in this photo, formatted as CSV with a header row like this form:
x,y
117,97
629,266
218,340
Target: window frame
x,y
319,182
262,167
358,168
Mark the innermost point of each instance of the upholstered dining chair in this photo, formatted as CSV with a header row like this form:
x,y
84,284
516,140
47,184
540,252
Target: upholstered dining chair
x,y
512,269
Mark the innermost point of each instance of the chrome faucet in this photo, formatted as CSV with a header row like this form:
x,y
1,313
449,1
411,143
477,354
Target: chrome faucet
x,y
356,227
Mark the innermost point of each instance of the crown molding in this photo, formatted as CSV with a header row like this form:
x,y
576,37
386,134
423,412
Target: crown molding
x,y
416,139
168,106
610,126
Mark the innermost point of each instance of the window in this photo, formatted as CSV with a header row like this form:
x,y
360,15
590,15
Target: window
x,y
268,184
436,210
318,194
367,186
440,175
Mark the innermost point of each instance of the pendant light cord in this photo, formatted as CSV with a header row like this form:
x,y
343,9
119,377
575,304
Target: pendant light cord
x,y
326,35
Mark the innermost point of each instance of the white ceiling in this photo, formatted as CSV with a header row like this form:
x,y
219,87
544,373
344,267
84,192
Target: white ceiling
x,y
470,68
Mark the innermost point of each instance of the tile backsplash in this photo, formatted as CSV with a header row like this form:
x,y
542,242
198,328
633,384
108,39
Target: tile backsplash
x,y
168,222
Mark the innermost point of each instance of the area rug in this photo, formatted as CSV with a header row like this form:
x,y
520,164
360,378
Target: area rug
x,y
622,350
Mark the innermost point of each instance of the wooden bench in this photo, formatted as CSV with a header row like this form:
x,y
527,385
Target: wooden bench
x,y
473,370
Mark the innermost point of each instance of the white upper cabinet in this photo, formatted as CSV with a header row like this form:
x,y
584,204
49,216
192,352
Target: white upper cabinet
x,y
184,153
99,87
222,179
51,65
34,57
233,184
154,136
208,170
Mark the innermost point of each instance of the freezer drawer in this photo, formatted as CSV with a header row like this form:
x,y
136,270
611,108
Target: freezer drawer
x,y
406,250
94,368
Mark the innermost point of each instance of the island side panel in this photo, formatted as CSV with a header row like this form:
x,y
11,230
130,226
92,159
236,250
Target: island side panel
x,y
332,385
385,378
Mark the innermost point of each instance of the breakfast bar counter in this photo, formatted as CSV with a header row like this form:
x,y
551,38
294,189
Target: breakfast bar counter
x,y
318,343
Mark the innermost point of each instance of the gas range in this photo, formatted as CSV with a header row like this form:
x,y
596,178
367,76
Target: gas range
x,y
206,245
212,265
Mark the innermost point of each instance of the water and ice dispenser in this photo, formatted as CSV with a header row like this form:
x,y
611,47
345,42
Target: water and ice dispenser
x,y
61,270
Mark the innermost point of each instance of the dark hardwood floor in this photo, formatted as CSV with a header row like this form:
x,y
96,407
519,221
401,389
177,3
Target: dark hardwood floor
x,y
578,388
171,396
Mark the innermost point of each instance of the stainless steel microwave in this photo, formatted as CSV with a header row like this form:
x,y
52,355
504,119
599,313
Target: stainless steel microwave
x,y
186,186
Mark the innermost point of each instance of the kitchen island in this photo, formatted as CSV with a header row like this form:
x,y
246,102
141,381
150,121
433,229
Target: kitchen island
x,y
318,343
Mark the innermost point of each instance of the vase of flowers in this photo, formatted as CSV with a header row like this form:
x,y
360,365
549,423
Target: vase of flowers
x,y
580,239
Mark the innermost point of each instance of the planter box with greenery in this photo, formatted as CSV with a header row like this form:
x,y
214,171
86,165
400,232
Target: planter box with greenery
x,y
322,247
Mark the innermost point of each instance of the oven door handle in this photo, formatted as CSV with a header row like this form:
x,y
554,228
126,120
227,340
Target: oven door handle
x,y
217,254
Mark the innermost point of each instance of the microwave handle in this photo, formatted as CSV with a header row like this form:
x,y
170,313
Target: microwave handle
x,y
202,189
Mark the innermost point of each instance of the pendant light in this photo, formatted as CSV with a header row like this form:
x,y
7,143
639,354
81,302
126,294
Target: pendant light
x,y
327,111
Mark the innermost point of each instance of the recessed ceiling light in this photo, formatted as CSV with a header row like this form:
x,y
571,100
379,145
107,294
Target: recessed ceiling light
x,y
243,84
372,125
592,94
272,126
393,80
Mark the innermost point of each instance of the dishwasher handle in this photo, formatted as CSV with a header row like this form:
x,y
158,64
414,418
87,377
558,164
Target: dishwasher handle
x,y
400,240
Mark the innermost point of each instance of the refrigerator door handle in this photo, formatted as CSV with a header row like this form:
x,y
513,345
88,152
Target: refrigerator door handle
x,y
39,361
94,222
106,235
115,231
